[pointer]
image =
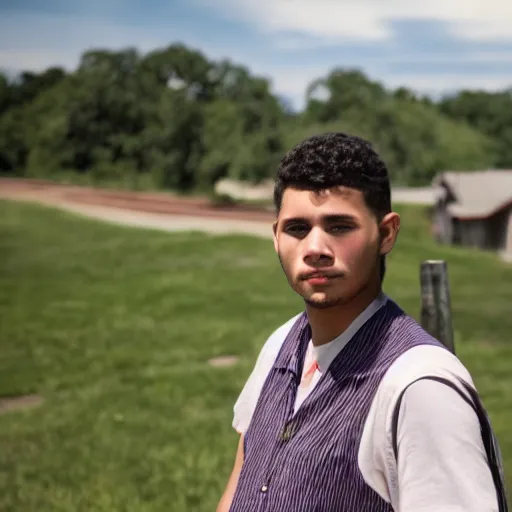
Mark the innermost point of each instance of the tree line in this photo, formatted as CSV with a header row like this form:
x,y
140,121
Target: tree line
x,y
172,118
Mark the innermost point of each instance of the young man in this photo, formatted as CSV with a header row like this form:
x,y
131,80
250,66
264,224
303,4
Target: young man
x,y
352,406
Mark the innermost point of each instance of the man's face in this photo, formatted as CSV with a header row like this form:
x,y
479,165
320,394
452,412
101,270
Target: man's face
x,y
329,244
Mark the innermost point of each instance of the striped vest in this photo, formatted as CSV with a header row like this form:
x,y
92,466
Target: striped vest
x,y
308,462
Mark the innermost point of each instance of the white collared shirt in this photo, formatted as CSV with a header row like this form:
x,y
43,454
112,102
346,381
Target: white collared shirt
x,y
442,464
325,354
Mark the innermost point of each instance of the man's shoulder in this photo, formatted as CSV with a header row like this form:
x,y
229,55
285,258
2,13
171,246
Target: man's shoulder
x,y
426,360
420,362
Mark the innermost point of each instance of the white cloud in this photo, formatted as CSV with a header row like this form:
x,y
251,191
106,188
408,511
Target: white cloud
x,y
35,42
368,20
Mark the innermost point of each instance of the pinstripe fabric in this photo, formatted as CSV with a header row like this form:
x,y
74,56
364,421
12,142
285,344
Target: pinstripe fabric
x,y
307,462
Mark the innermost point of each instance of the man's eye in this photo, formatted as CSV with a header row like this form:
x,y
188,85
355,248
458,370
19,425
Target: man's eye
x,y
340,229
297,229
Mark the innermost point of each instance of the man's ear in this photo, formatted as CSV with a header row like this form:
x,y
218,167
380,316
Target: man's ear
x,y
274,231
388,228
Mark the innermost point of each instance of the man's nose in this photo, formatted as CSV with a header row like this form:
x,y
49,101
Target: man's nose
x,y
317,248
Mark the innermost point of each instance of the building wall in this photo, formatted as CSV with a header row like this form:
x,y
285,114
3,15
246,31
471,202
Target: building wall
x,y
492,233
473,233
508,238
442,224
498,229
442,221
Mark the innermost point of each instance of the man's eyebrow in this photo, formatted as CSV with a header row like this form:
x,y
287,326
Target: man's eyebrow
x,y
338,218
328,219
290,220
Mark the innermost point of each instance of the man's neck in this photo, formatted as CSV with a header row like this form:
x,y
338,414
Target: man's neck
x,y
327,324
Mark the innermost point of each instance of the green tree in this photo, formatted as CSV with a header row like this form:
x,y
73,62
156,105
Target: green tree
x,y
174,119
490,113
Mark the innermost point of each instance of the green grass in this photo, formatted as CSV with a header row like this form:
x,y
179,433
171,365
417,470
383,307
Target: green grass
x,y
114,326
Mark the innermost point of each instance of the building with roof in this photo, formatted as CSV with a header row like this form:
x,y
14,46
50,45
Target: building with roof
x,y
474,209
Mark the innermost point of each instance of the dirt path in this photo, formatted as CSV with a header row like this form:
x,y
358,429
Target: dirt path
x,y
161,210
148,210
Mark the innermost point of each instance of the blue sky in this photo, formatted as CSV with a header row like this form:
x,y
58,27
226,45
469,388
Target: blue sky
x,y
433,46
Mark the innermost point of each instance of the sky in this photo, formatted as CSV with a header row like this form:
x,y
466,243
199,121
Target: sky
x,y
434,47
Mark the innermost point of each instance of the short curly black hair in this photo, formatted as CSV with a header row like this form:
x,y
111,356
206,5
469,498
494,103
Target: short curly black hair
x,y
335,159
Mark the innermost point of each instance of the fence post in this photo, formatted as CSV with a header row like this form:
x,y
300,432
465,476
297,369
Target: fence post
x,y
436,314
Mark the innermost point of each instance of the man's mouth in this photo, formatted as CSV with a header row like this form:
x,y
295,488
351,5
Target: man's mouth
x,y
320,277
318,280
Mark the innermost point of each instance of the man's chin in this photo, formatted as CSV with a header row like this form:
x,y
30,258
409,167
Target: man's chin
x,y
322,302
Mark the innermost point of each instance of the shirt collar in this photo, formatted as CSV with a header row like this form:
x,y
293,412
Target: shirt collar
x,y
325,354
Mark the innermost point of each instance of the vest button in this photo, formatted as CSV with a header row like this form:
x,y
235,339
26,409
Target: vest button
x,y
264,488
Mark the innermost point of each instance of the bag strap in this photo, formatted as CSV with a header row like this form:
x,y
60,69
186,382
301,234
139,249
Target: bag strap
x,y
488,437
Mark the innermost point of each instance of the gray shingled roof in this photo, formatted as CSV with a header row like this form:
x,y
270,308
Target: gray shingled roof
x,y
477,193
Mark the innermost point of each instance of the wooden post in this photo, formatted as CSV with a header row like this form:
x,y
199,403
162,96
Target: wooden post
x,y
436,314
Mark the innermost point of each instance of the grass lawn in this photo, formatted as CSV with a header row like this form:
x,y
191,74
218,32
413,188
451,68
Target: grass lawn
x,y
113,327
